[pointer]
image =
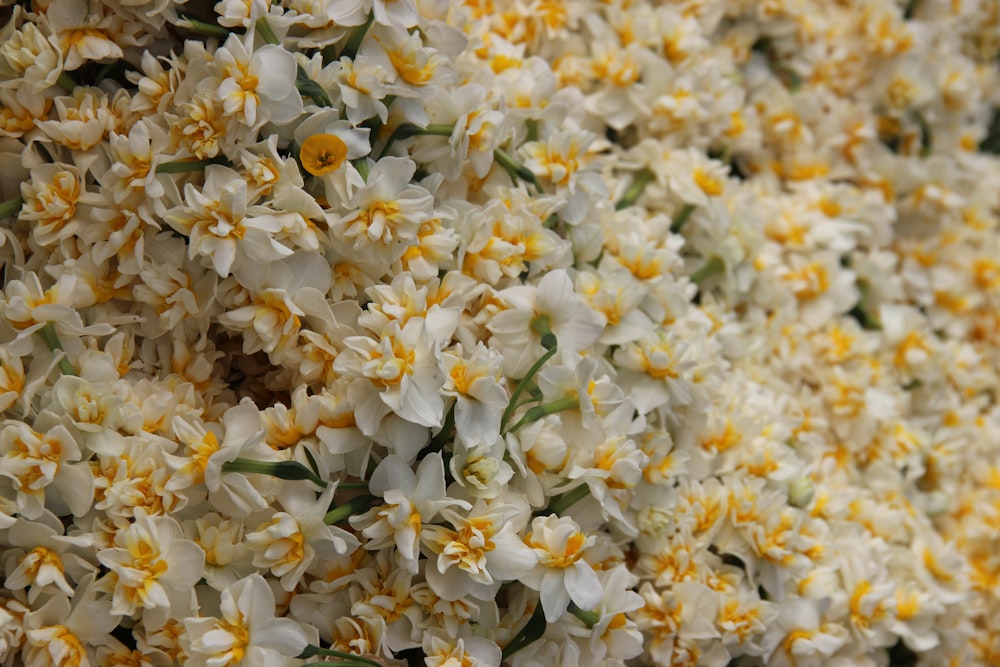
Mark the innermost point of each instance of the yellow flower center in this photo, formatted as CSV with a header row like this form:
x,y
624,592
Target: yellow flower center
x,y
322,153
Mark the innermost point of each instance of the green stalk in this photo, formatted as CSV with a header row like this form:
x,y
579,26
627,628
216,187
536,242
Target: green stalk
x,y
563,501
642,179
531,632
682,217
51,338
539,411
312,651
713,267
357,36
187,166
265,32
10,207
407,130
359,486
341,512
437,442
532,126
289,470
588,618
516,169
539,325
202,28
361,164
66,82
311,89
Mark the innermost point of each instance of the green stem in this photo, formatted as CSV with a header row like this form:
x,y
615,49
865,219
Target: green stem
x,y
714,266
289,470
66,82
682,217
341,512
532,126
312,651
516,169
265,32
404,131
588,618
861,311
360,486
531,632
311,89
539,325
437,442
563,501
539,411
202,28
10,207
357,36
51,338
407,130
361,164
186,166
642,179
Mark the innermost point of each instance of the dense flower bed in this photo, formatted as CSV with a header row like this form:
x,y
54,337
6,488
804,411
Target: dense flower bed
x,y
543,332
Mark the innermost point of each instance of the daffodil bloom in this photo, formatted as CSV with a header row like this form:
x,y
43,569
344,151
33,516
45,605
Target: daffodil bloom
x,y
220,226
149,557
64,631
44,470
562,574
321,154
479,552
290,541
398,372
443,651
44,557
258,87
385,216
574,324
246,632
410,500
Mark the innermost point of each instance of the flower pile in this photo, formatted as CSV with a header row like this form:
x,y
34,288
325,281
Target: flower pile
x,y
534,332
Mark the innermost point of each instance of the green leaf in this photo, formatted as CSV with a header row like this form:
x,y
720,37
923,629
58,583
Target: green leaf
x,y
531,632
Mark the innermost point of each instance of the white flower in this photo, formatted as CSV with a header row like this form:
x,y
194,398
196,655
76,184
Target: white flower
x,y
227,557
398,372
59,632
247,632
260,87
561,574
411,499
444,651
574,324
386,214
480,396
480,551
150,557
45,557
45,469
290,541
219,227
30,57
481,470
614,635
801,638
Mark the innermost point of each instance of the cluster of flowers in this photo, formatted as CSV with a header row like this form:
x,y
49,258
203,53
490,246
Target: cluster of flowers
x,y
543,332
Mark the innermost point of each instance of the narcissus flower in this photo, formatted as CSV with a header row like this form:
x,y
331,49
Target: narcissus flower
x,y
322,153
